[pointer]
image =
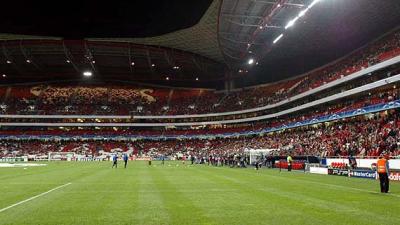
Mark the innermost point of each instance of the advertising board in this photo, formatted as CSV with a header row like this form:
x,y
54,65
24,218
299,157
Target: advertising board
x,y
394,176
338,172
319,170
370,174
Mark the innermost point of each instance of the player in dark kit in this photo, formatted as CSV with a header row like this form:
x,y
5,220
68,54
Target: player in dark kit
x,y
162,159
125,158
115,160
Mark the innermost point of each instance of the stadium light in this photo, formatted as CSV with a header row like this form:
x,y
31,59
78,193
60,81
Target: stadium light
x,y
167,78
292,22
28,61
68,61
8,62
4,75
87,74
132,63
197,78
93,62
153,65
250,62
303,12
278,38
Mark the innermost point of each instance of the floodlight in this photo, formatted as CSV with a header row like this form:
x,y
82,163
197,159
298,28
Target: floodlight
x,y
87,74
291,23
278,38
251,61
303,12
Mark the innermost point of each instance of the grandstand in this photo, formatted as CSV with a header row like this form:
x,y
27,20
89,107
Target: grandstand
x,y
317,80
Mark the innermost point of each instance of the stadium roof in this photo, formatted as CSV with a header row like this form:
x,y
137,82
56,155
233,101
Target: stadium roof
x,y
227,35
327,31
53,59
200,39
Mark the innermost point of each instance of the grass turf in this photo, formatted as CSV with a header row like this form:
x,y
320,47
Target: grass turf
x,y
189,195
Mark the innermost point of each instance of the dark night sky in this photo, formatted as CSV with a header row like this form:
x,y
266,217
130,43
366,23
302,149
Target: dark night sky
x,y
91,18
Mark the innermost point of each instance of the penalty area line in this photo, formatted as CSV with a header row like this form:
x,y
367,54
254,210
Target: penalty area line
x,y
34,197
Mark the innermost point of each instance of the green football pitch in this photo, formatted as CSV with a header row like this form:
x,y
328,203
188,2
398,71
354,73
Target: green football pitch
x,y
93,193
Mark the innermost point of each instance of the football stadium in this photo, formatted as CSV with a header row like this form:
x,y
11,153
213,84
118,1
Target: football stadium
x,y
223,112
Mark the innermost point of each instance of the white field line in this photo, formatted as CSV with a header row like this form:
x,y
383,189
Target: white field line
x,y
34,197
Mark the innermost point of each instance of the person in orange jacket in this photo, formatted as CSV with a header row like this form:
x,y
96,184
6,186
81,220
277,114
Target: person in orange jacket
x,y
383,171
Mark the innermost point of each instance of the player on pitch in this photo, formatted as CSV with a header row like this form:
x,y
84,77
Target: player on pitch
x,y
115,161
289,160
125,158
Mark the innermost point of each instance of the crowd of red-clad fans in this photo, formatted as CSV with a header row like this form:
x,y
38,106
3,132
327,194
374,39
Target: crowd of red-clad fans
x,y
368,135
124,100
382,95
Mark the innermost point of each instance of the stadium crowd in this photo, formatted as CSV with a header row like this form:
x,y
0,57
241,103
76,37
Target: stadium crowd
x,y
367,135
382,95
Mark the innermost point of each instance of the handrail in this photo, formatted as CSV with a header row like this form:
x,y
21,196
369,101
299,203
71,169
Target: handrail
x,y
332,117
